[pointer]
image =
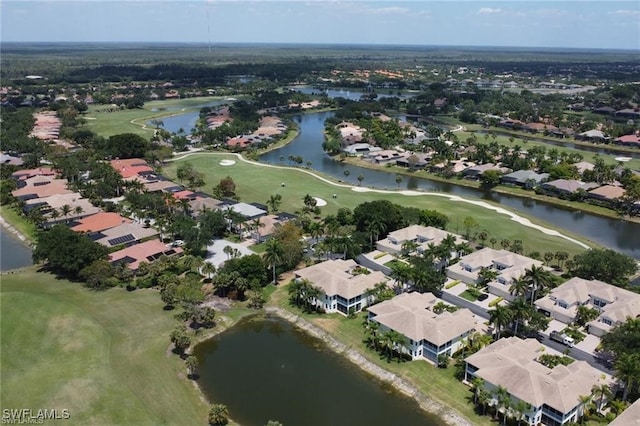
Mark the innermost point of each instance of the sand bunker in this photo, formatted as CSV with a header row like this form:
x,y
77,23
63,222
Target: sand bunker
x,y
623,159
227,162
320,202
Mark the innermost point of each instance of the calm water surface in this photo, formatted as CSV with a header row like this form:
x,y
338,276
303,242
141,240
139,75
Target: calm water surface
x,y
13,252
617,234
265,369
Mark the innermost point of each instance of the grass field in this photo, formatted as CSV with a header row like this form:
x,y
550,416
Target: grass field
x,y
101,355
132,120
255,183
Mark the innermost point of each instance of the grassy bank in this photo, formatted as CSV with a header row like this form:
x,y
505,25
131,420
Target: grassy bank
x,y
255,183
19,223
439,384
104,356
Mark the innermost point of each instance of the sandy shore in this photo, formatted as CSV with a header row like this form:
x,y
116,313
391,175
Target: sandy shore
x,y
426,403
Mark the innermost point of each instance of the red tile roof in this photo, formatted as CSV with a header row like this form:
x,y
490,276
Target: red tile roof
x,y
100,222
143,252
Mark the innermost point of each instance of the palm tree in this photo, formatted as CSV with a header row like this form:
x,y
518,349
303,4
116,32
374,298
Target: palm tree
x,y
584,401
401,273
539,279
375,228
483,399
561,256
218,415
627,369
256,225
192,262
273,203
477,383
503,400
519,287
208,269
66,210
500,317
273,255
78,210
521,311
521,407
601,392
316,230
192,365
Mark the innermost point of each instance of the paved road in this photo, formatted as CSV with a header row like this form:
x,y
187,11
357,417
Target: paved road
x,y
577,354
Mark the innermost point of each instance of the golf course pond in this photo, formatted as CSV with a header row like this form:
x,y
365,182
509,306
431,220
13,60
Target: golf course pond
x,y
264,368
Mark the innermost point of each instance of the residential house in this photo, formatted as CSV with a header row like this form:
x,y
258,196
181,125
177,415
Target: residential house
x,y
568,187
614,303
629,140
508,265
124,234
593,136
421,236
629,417
428,333
525,178
147,251
360,149
80,207
607,193
40,187
344,284
131,167
476,171
98,222
552,394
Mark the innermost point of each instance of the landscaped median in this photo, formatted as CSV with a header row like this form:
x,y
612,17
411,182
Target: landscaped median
x,y
435,389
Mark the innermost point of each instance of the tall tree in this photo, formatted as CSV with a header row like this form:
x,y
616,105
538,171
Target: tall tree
x,y
273,255
539,280
500,317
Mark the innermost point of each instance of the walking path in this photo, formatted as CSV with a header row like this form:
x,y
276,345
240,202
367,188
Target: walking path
x,y
425,402
515,217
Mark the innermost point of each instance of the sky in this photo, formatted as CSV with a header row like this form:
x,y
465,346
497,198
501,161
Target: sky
x,y
607,24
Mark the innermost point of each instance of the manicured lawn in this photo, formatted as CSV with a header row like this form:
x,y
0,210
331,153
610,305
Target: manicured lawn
x,y
255,183
19,222
469,295
132,120
102,355
439,384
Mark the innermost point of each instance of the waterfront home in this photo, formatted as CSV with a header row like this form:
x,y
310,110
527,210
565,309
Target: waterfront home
x,y
509,266
360,149
126,234
476,171
40,187
148,251
98,222
607,193
429,334
344,284
568,187
614,304
630,140
553,394
79,207
525,178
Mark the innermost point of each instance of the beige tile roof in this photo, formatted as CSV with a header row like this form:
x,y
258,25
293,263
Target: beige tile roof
x,y
136,230
411,315
511,363
621,303
629,417
334,278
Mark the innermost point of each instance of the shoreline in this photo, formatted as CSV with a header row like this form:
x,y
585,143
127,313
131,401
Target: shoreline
x,y
500,189
14,231
425,402
516,217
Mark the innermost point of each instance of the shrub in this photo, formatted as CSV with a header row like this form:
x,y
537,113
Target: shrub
x,y
495,302
452,284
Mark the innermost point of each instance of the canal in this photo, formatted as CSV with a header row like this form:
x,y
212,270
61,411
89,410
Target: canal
x,y
265,369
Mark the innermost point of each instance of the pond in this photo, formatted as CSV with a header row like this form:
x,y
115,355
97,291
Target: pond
x,y
13,252
266,369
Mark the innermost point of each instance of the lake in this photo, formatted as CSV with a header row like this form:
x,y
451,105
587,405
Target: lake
x,y
265,369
